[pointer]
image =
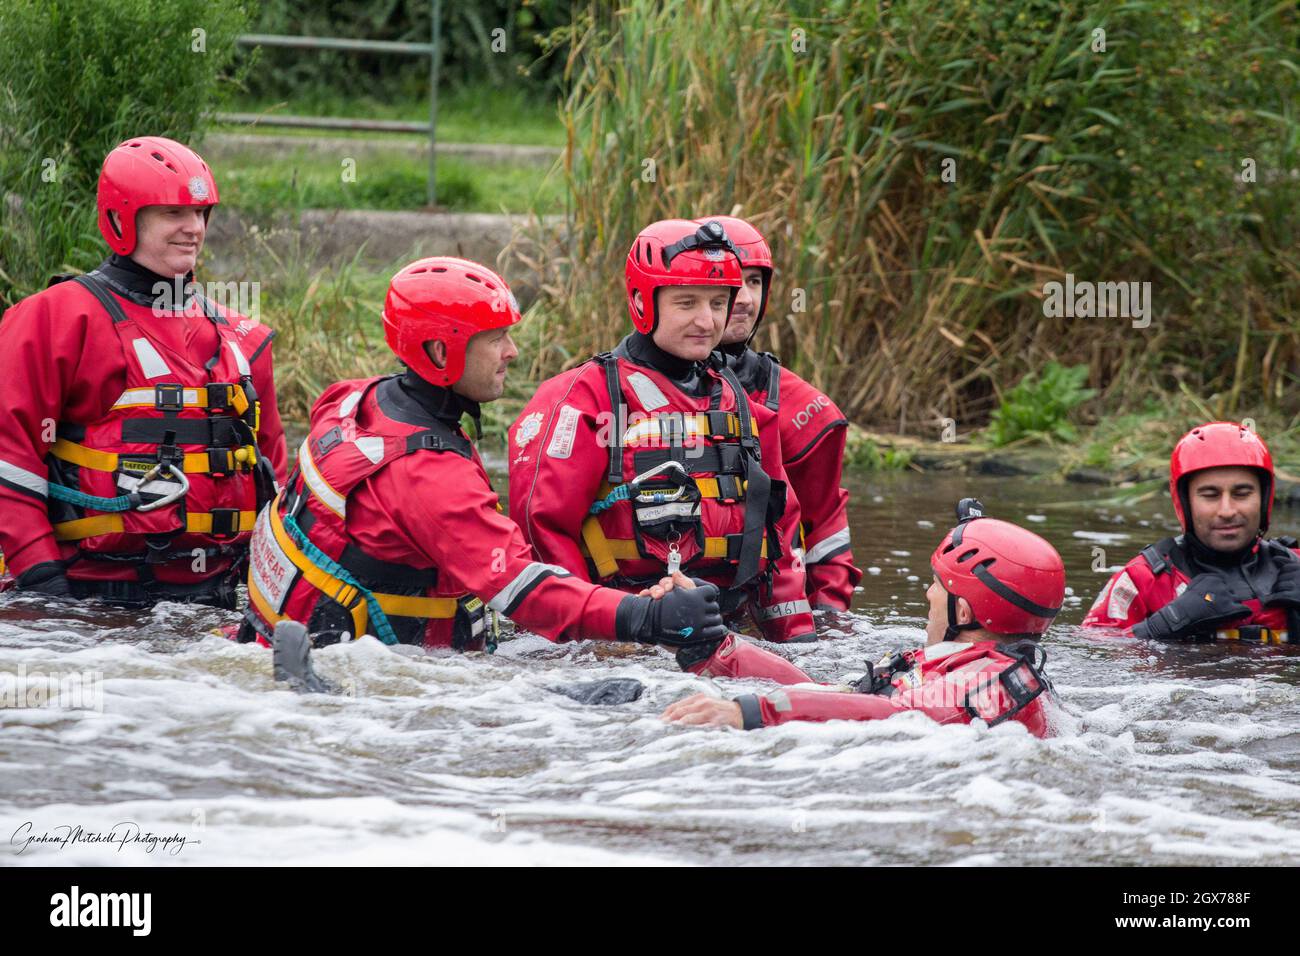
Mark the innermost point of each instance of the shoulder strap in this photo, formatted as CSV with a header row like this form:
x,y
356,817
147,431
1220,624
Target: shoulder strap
x,y
773,400
1154,555
440,437
614,474
96,287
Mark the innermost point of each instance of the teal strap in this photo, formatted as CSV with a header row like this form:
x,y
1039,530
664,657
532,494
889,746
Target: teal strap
x,y
83,500
378,619
621,493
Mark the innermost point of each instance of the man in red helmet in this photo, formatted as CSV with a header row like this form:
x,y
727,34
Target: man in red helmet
x,y
1221,578
143,432
812,429
651,458
389,525
996,588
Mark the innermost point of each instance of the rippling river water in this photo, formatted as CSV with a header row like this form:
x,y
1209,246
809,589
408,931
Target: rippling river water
x,y
1166,754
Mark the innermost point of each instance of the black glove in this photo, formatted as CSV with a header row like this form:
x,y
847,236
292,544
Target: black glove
x,y
1286,589
1206,603
46,578
681,618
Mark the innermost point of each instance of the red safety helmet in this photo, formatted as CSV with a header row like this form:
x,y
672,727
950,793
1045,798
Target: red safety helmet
x,y
149,171
1220,445
1013,579
754,253
448,299
678,252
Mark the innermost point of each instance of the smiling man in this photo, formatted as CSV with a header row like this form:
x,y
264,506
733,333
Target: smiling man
x,y
141,433
652,458
389,525
1221,578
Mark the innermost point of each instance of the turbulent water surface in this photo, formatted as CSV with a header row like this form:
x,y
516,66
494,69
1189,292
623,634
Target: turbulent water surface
x,y
1165,754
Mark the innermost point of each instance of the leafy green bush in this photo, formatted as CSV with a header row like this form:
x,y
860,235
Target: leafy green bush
x,y
76,78
1040,406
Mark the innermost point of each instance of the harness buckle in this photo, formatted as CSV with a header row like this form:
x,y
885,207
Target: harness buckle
x,y
221,461
721,425
730,458
729,489
169,398
221,397
327,441
225,522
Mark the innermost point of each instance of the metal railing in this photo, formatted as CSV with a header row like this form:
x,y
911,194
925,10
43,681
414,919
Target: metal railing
x,y
432,49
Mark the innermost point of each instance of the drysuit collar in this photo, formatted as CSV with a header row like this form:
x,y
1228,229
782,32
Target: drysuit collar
x,y
142,286
410,399
687,374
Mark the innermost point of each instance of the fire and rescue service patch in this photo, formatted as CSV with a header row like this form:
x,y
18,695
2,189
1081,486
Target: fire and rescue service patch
x,y
529,429
1122,593
198,188
566,429
269,569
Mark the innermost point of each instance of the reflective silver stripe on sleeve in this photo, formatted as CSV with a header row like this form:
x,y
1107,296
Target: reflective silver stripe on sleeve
x,y
508,597
822,549
24,479
785,609
319,487
241,361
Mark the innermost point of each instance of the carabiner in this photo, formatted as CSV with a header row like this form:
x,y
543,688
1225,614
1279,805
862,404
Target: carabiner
x,y
661,496
172,498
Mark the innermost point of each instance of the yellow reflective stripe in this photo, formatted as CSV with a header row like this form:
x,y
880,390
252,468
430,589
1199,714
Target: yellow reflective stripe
x,y
344,594
262,604
201,523
88,527
190,398
195,463
319,486
607,552
1266,635
709,487
598,547
402,605
83,457
717,547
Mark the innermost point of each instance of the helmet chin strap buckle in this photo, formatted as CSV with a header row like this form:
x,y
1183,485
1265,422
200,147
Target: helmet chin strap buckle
x,y
953,627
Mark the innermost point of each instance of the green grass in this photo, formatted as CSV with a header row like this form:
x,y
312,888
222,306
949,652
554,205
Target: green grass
x,y
254,181
470,115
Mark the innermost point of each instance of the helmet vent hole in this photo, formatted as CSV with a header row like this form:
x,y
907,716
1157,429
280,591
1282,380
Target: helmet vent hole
x,y
158,156
470,275
985,564
438,269
967,555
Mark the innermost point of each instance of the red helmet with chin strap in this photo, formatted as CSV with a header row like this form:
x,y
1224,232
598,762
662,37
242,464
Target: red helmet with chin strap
x,y
447,299
1013,579
754,252
1220,445
149,171
674,252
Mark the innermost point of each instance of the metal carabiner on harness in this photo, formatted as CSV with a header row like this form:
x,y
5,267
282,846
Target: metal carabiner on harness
x,y
657,496
172,498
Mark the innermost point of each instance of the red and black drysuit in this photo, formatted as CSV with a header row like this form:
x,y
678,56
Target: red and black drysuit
x,y
1162,572
950,682
119,393
588,433
813,432
391,495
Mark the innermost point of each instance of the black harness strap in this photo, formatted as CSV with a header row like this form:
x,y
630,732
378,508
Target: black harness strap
x,y
93,284
773,400
614,474
758,491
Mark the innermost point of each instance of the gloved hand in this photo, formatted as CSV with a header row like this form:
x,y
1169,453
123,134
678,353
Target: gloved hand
x,y
46,578
1286,589
1207,603
681,618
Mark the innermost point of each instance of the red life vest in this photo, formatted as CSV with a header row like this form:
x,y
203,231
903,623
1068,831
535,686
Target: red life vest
x,y
692,492
303,564
176,418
